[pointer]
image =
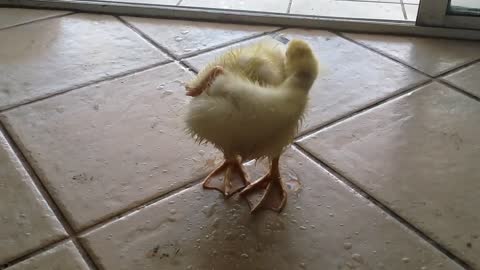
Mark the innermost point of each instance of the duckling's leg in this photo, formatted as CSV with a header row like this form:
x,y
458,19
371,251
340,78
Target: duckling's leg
x,y
205,82
228,178
275,195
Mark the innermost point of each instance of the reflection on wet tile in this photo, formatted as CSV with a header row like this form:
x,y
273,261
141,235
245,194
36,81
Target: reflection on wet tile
x,y
13,16
467,79
324,224
183,38
430,55
107,147
46,57
200,61
418,154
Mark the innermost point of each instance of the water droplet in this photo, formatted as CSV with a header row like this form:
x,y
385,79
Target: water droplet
x,y
331,214
303,227
357,257
244,255
171,202
302,265
423,268
347,245
165,171
178,39
184,32
405,260
298,208
173,211
201,152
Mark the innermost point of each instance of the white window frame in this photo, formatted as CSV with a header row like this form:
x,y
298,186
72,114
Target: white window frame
x,y
434,13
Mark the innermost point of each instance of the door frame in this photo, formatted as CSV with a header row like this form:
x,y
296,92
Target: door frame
x,y
435,13
248,17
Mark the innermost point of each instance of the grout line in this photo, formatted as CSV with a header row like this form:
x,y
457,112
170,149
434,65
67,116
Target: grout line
x,y
141,206
34,253
458,89
42,187
179,2
373,105
147,38
436,78
404,10
460,67
196,53
138,70
384,207
289,6
230,43
400,61
82,85
38,20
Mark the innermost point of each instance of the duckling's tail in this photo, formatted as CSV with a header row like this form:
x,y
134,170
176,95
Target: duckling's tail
x,y
301,65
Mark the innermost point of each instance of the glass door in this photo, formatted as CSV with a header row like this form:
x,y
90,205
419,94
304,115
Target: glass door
x,y
449,13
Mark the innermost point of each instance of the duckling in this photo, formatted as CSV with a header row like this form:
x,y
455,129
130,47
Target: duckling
x,y
254,120
261,63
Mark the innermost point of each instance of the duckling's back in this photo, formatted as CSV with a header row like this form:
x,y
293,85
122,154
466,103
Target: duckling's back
x,y
262,62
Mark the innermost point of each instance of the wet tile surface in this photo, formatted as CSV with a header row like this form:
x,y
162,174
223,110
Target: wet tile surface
x,y
280,6
107,147
467,79
419,155
200,61
48,56
65,256
430,55
351,77
348,9
13,16
324,224
26,221
183,38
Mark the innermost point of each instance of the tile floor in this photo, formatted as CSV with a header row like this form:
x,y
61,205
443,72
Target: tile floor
x,y
392,10
96,171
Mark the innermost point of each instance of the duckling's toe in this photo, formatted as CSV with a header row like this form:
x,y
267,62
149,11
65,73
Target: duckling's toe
x,y
229,178
266,193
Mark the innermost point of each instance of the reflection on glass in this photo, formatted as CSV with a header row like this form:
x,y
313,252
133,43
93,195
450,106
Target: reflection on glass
x,y
465,7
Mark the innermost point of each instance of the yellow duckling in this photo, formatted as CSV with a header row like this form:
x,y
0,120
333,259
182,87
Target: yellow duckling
x,y
249,104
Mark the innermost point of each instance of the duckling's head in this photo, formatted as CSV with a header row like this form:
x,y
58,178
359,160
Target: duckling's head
x,y
301,62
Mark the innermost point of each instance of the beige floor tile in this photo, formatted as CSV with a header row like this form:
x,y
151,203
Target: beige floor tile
x,y
468,79
412,11
430,55
26,221
14,16
348,9
107,147
351,78
43,58
65,256
324,224
184,38
419,155
200,61
278,6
